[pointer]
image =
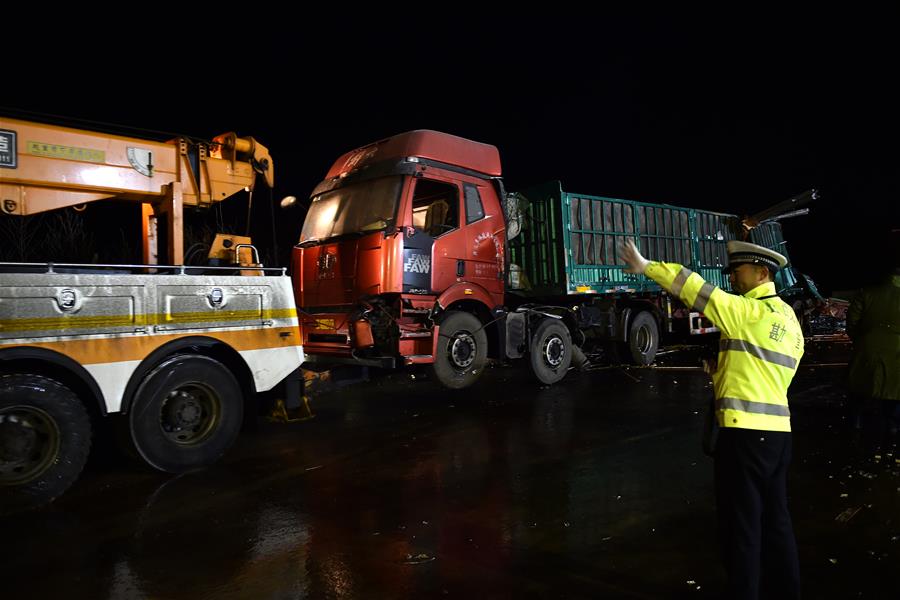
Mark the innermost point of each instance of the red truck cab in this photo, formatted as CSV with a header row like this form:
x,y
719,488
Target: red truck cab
x,y
400,232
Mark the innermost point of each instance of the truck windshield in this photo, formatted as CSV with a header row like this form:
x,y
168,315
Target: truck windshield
x,y
357,208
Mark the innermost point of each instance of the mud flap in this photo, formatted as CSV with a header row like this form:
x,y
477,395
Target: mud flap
x,y
515,335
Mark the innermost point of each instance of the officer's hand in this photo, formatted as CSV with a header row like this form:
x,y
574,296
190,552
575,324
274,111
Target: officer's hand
x,y
632,257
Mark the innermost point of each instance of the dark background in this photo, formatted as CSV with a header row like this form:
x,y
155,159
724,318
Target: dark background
x,y
728,112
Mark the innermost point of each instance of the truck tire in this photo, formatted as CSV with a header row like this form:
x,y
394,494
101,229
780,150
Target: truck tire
x,y
550,352
461,350
45,438
643,338
187,413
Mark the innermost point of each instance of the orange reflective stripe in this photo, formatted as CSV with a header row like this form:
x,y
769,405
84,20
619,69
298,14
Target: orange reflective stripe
x,y
138,347
71,322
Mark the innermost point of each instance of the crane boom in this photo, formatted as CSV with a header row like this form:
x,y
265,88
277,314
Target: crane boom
x,y
47,167
791,207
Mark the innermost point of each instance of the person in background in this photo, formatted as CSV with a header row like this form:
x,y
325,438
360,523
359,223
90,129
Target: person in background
x,y
760,349
873,324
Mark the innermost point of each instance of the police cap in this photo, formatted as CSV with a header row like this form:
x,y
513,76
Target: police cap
x,y
741,253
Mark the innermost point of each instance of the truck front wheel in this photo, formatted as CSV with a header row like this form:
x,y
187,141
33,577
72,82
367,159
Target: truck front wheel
x,y
551,351
45,438
461,350
187,413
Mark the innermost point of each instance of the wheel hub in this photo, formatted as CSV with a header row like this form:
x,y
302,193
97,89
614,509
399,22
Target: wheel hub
x,y
17,439
189,414
29,443
183,410
554,351
462,350
643,340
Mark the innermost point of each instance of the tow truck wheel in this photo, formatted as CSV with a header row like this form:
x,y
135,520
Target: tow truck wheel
x,y
45,438
461,350
187,413
643,339
551,351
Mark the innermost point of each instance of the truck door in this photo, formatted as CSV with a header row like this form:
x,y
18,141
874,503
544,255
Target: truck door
x,y
438,246
484,229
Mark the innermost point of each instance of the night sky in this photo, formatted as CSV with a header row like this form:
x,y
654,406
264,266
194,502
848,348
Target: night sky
x,y
724,112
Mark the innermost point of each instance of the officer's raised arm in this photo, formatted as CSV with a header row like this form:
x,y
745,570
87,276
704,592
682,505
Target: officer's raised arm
x,y
725,310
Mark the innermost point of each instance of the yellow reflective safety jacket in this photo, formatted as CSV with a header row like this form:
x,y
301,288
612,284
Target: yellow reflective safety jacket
x,y
759,351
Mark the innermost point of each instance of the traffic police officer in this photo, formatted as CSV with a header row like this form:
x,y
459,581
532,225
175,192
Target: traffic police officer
x,y
760,348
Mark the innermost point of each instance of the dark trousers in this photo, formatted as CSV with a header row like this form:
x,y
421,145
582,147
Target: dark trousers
x,y
891,411
855,406
755,530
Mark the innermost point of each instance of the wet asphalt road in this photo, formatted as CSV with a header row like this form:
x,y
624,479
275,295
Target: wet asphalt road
x,y
593,488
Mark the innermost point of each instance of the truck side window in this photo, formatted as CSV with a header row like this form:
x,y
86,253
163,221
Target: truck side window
x,y
435,207
474,208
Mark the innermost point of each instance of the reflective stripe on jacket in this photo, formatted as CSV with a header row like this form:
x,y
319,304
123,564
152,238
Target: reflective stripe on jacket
x,y
759,351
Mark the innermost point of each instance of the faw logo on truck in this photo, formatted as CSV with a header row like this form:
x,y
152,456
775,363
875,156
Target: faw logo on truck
x,y
416,270
417,263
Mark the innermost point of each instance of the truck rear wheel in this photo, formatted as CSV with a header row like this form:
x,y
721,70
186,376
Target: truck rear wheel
x,y
45,438
643,338
551,351
187,413
461,350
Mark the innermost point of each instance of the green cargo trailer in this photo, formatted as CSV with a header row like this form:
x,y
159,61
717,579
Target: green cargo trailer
x,y
564,250
569,242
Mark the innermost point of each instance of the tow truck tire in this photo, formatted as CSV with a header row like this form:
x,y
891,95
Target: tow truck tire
x,y
45,438
461,350
551,351
187,413
643,338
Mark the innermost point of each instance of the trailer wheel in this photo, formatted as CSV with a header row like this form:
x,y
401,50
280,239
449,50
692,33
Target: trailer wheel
x,y
643,338
187,413
45,438
461,350
551,351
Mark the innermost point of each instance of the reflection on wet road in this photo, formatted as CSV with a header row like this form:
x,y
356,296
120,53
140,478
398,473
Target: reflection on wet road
x,y
593,488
